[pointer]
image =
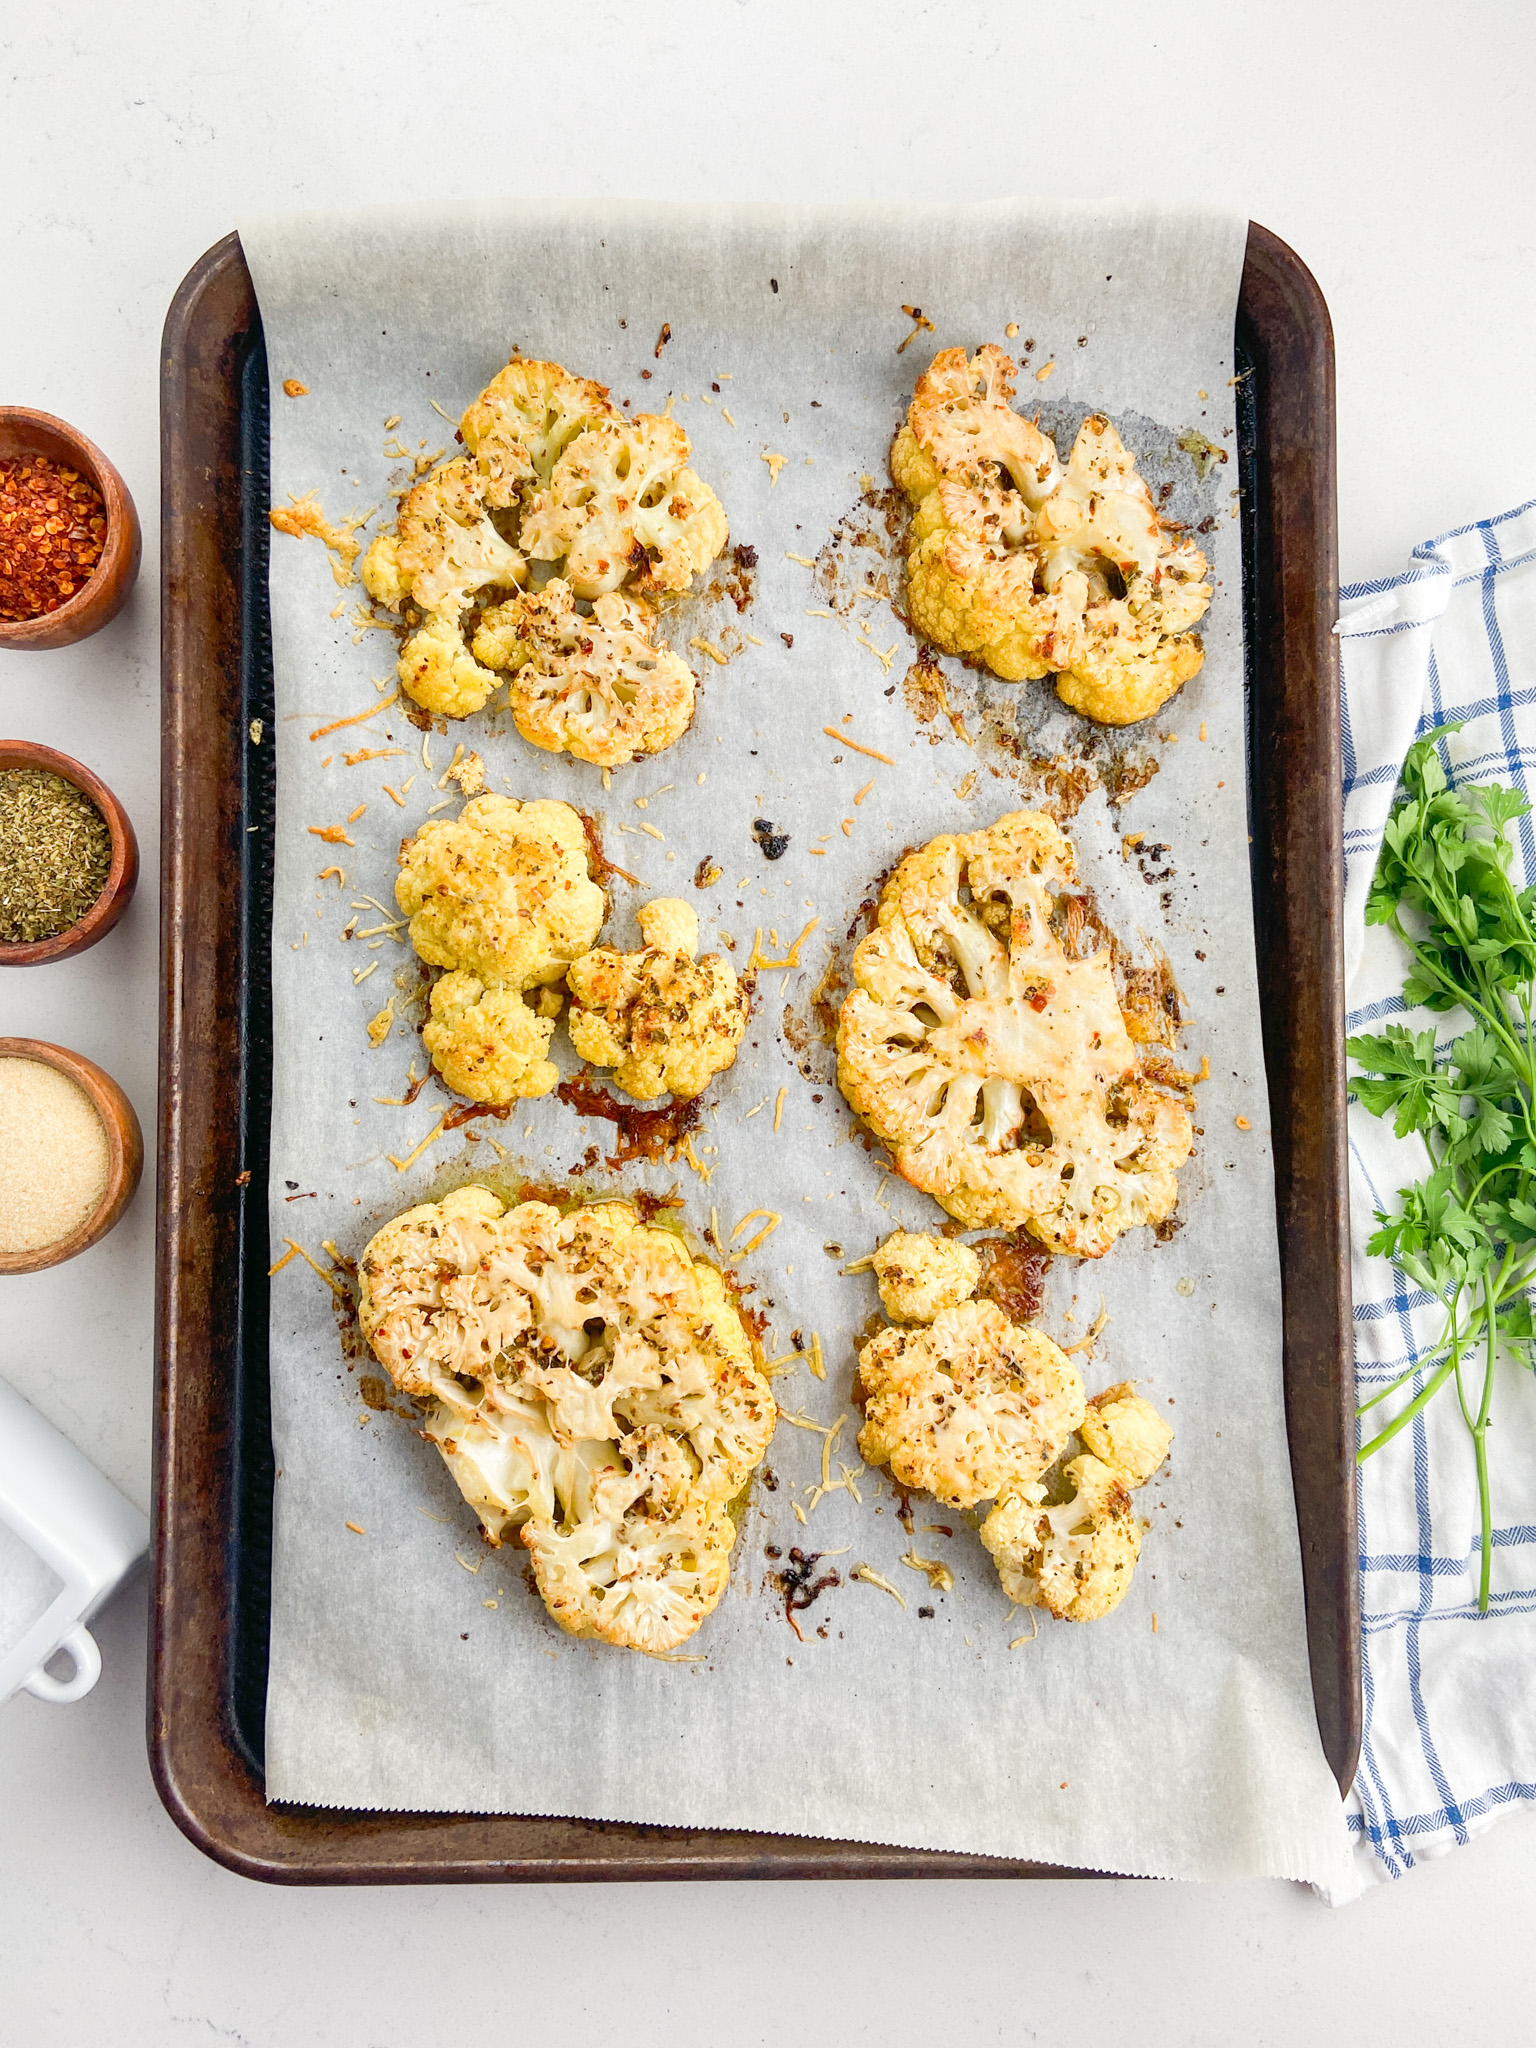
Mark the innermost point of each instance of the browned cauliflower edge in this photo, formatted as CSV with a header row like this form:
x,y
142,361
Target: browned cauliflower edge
x,y
663,1020
1036,568
589,1386
994,1062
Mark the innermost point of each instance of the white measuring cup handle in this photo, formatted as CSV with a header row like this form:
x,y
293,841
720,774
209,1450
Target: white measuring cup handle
x,y
80,1647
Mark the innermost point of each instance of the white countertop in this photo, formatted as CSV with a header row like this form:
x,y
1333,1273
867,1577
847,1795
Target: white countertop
x,y
1395,152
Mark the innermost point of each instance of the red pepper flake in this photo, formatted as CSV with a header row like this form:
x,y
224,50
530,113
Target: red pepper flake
x,y
53,527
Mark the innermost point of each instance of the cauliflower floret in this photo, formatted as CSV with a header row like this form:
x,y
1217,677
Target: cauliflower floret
x,y
443,552
993,1061
621,503
585,1381
523,421
960,424
438,671
486,1042
504,890
598,687
1124,1430
969,1406
637,1580
1076,1559
664,1021
921,1276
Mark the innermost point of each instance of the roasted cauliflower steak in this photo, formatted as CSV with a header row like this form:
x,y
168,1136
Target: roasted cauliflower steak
x,y
589,1387
597,686
967,1406
993,1059
1036,568
665,1021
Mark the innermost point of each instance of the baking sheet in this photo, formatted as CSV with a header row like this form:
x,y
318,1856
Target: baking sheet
x,y
410,1667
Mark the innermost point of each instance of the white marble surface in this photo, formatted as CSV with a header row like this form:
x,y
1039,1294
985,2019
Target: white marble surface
x,y
1395,151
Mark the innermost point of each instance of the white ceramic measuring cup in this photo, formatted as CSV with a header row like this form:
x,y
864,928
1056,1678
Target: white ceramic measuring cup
x,y
80,1526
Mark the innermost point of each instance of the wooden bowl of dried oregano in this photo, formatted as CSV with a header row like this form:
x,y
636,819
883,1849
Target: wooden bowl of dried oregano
x,y
68,856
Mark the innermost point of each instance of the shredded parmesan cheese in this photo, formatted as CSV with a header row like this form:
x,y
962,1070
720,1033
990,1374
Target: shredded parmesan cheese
x,y
874,753
333,835
873,1578
329,1278
772,1224
371,754
775,463
939,1575
411,1157
791,959
805,561
778,1108
1087,1343
357,718
708,647
304,516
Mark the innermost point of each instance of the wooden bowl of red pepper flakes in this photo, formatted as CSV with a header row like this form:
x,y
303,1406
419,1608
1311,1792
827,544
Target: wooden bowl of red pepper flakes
x,y
69,534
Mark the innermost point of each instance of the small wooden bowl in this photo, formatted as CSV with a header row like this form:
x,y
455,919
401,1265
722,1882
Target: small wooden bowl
x,y
125,1152
122,876
25,432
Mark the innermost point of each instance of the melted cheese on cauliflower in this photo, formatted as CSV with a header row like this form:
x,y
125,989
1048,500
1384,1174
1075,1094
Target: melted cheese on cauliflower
x,y
967,1406
666,1022
524,420
1075,1559
996,1064
589,1386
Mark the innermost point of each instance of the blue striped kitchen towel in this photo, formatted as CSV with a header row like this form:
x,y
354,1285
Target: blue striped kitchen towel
x,y
1450,1696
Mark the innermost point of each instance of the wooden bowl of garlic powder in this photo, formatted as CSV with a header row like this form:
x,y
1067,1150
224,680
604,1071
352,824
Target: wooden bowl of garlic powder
x,y
71,1153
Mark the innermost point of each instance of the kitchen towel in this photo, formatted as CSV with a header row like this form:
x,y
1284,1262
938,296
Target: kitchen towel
x,y
1450,1733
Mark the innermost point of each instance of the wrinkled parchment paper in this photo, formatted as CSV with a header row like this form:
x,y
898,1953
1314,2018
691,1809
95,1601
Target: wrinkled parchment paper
x,y
410,1666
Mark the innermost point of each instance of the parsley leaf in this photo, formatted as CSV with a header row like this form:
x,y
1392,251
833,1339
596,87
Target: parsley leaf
x,y
1466,1233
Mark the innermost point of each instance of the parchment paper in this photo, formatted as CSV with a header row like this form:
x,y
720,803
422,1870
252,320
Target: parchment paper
x,y
410,1666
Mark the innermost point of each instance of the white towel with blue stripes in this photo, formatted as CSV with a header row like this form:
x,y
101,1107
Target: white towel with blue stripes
x,y
1450,1696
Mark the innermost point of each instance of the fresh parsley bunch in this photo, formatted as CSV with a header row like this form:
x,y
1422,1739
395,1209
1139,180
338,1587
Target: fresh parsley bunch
x,y
1466,1233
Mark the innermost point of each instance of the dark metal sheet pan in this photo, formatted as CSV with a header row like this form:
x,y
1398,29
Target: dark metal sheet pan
x,y
213,1453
